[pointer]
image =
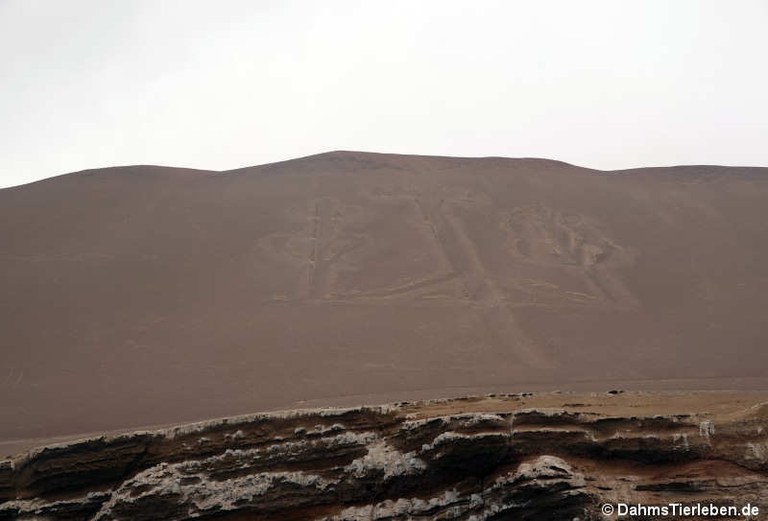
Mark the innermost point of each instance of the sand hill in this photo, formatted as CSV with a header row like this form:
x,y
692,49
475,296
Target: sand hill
x,y
146,295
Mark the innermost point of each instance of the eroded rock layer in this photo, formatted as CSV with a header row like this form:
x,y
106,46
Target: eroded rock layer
x,y
554,456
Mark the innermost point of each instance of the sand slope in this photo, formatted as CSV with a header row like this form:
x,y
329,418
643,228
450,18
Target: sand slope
x,y
145,295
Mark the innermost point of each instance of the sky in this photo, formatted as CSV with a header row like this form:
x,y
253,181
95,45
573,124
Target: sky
x,y
222,84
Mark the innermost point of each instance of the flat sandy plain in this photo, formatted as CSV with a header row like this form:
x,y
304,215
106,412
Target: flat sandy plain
x,y
144,295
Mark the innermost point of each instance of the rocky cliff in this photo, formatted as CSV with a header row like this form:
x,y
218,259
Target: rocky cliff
x,y
553,456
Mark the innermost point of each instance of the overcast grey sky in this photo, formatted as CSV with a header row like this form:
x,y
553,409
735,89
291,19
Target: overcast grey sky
x,y
229,83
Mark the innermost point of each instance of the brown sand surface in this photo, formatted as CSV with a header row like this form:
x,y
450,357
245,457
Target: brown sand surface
x,y
145,295
716,405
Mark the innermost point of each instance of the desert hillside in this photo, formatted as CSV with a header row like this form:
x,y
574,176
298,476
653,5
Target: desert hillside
x,y
144,295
